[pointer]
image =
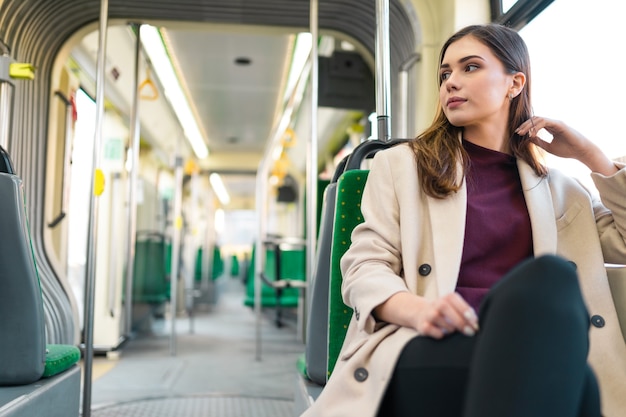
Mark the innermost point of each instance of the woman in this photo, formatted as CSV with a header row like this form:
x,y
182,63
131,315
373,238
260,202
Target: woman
x,y
474,286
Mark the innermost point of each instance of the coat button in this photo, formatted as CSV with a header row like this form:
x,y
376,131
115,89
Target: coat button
x,y
573,264
361,374
424,269
597,321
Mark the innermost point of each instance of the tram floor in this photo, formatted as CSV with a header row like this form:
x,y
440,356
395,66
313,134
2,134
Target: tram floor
x,y
214,372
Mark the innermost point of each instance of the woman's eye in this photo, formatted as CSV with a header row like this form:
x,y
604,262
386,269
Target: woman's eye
x,y
471,67
444,76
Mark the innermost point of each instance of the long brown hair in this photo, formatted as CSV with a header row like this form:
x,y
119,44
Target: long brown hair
x,y
438,149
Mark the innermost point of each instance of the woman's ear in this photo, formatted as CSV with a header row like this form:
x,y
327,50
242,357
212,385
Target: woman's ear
x,y
518,83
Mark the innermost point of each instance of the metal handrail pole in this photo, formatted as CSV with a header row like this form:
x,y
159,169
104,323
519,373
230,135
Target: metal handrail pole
x,y
383,102
131,237
6,96
311,171
403,91
176,237
113,258
262,195
261,209
92,233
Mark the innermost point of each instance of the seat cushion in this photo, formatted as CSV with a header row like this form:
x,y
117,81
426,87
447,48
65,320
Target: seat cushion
x,y
59,358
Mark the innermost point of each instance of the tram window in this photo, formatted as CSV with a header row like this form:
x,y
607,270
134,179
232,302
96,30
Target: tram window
x,y
507,4
517,13
575,49
80,187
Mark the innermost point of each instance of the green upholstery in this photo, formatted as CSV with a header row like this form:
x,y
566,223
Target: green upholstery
x,y
292,266
321,188
234,266
150,283
59,358
218,263
347,217
198,267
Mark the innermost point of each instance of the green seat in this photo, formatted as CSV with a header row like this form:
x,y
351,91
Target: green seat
x,y
218,263
234,266
347,217
150,283
26,357
292,266
60,358
198,267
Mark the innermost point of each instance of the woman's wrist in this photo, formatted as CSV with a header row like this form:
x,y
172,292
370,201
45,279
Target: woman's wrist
x,y
599,163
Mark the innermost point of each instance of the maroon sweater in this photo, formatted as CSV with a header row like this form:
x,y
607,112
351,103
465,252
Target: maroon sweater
x,y
497,227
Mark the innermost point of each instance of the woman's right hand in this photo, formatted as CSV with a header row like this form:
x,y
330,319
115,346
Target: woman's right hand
x,y
433,318
446,315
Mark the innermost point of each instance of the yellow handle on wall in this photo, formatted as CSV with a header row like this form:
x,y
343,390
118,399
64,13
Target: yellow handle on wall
x,y
22,71
98,182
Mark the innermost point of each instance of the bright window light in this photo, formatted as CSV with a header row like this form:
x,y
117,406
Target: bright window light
x,y
219,188
220,221
579,95
153,44
507,4
373,119
301,52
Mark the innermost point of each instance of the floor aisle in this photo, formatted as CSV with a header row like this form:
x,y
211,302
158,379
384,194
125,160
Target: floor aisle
x,y
214,372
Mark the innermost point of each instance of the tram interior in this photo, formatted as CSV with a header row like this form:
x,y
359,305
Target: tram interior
x,y
223,119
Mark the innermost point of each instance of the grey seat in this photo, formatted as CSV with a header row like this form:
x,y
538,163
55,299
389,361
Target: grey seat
x,y
317,326
22,345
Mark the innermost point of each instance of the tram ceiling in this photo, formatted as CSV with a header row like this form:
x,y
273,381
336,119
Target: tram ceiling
x,y
212,41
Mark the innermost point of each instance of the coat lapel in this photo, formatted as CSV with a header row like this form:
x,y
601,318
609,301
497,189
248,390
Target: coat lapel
x,y
447,218
540,209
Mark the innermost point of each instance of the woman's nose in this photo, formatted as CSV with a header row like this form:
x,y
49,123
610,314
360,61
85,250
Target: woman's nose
x,y
451,83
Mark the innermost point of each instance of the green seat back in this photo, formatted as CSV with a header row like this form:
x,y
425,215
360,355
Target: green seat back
x,y
292,266
197,276
218,263
234,266
150,283
347,217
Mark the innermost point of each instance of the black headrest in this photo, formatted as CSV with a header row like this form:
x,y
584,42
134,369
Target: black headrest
x,y
363,151
6,165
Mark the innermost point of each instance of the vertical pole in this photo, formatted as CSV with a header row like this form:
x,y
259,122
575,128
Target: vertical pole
x,y
403,88
178,225
311,167
131,237
6,104
262,196
383,104
92,233
115,179
259,252
6,96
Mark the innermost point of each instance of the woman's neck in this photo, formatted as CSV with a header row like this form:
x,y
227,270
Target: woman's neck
x,y
490,136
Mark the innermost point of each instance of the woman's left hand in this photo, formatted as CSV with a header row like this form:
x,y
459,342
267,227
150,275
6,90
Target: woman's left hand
x,y
566,143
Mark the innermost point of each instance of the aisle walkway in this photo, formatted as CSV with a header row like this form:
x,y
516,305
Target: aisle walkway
x,y
214,372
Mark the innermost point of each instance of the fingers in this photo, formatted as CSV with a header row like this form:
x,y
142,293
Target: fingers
x,y
447,315
532,126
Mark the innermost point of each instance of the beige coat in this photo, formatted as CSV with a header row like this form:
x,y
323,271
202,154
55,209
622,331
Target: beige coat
x,y
404,229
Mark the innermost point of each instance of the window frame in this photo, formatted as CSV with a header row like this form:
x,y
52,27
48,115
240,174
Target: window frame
x,y
520,14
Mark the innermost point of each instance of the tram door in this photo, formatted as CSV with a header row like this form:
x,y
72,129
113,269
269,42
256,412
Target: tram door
x,y
112,222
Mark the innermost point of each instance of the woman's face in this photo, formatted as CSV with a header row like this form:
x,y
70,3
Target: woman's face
x,y
474,85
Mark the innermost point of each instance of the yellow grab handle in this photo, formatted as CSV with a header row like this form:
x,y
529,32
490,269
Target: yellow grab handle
x,y
22,71
98,182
